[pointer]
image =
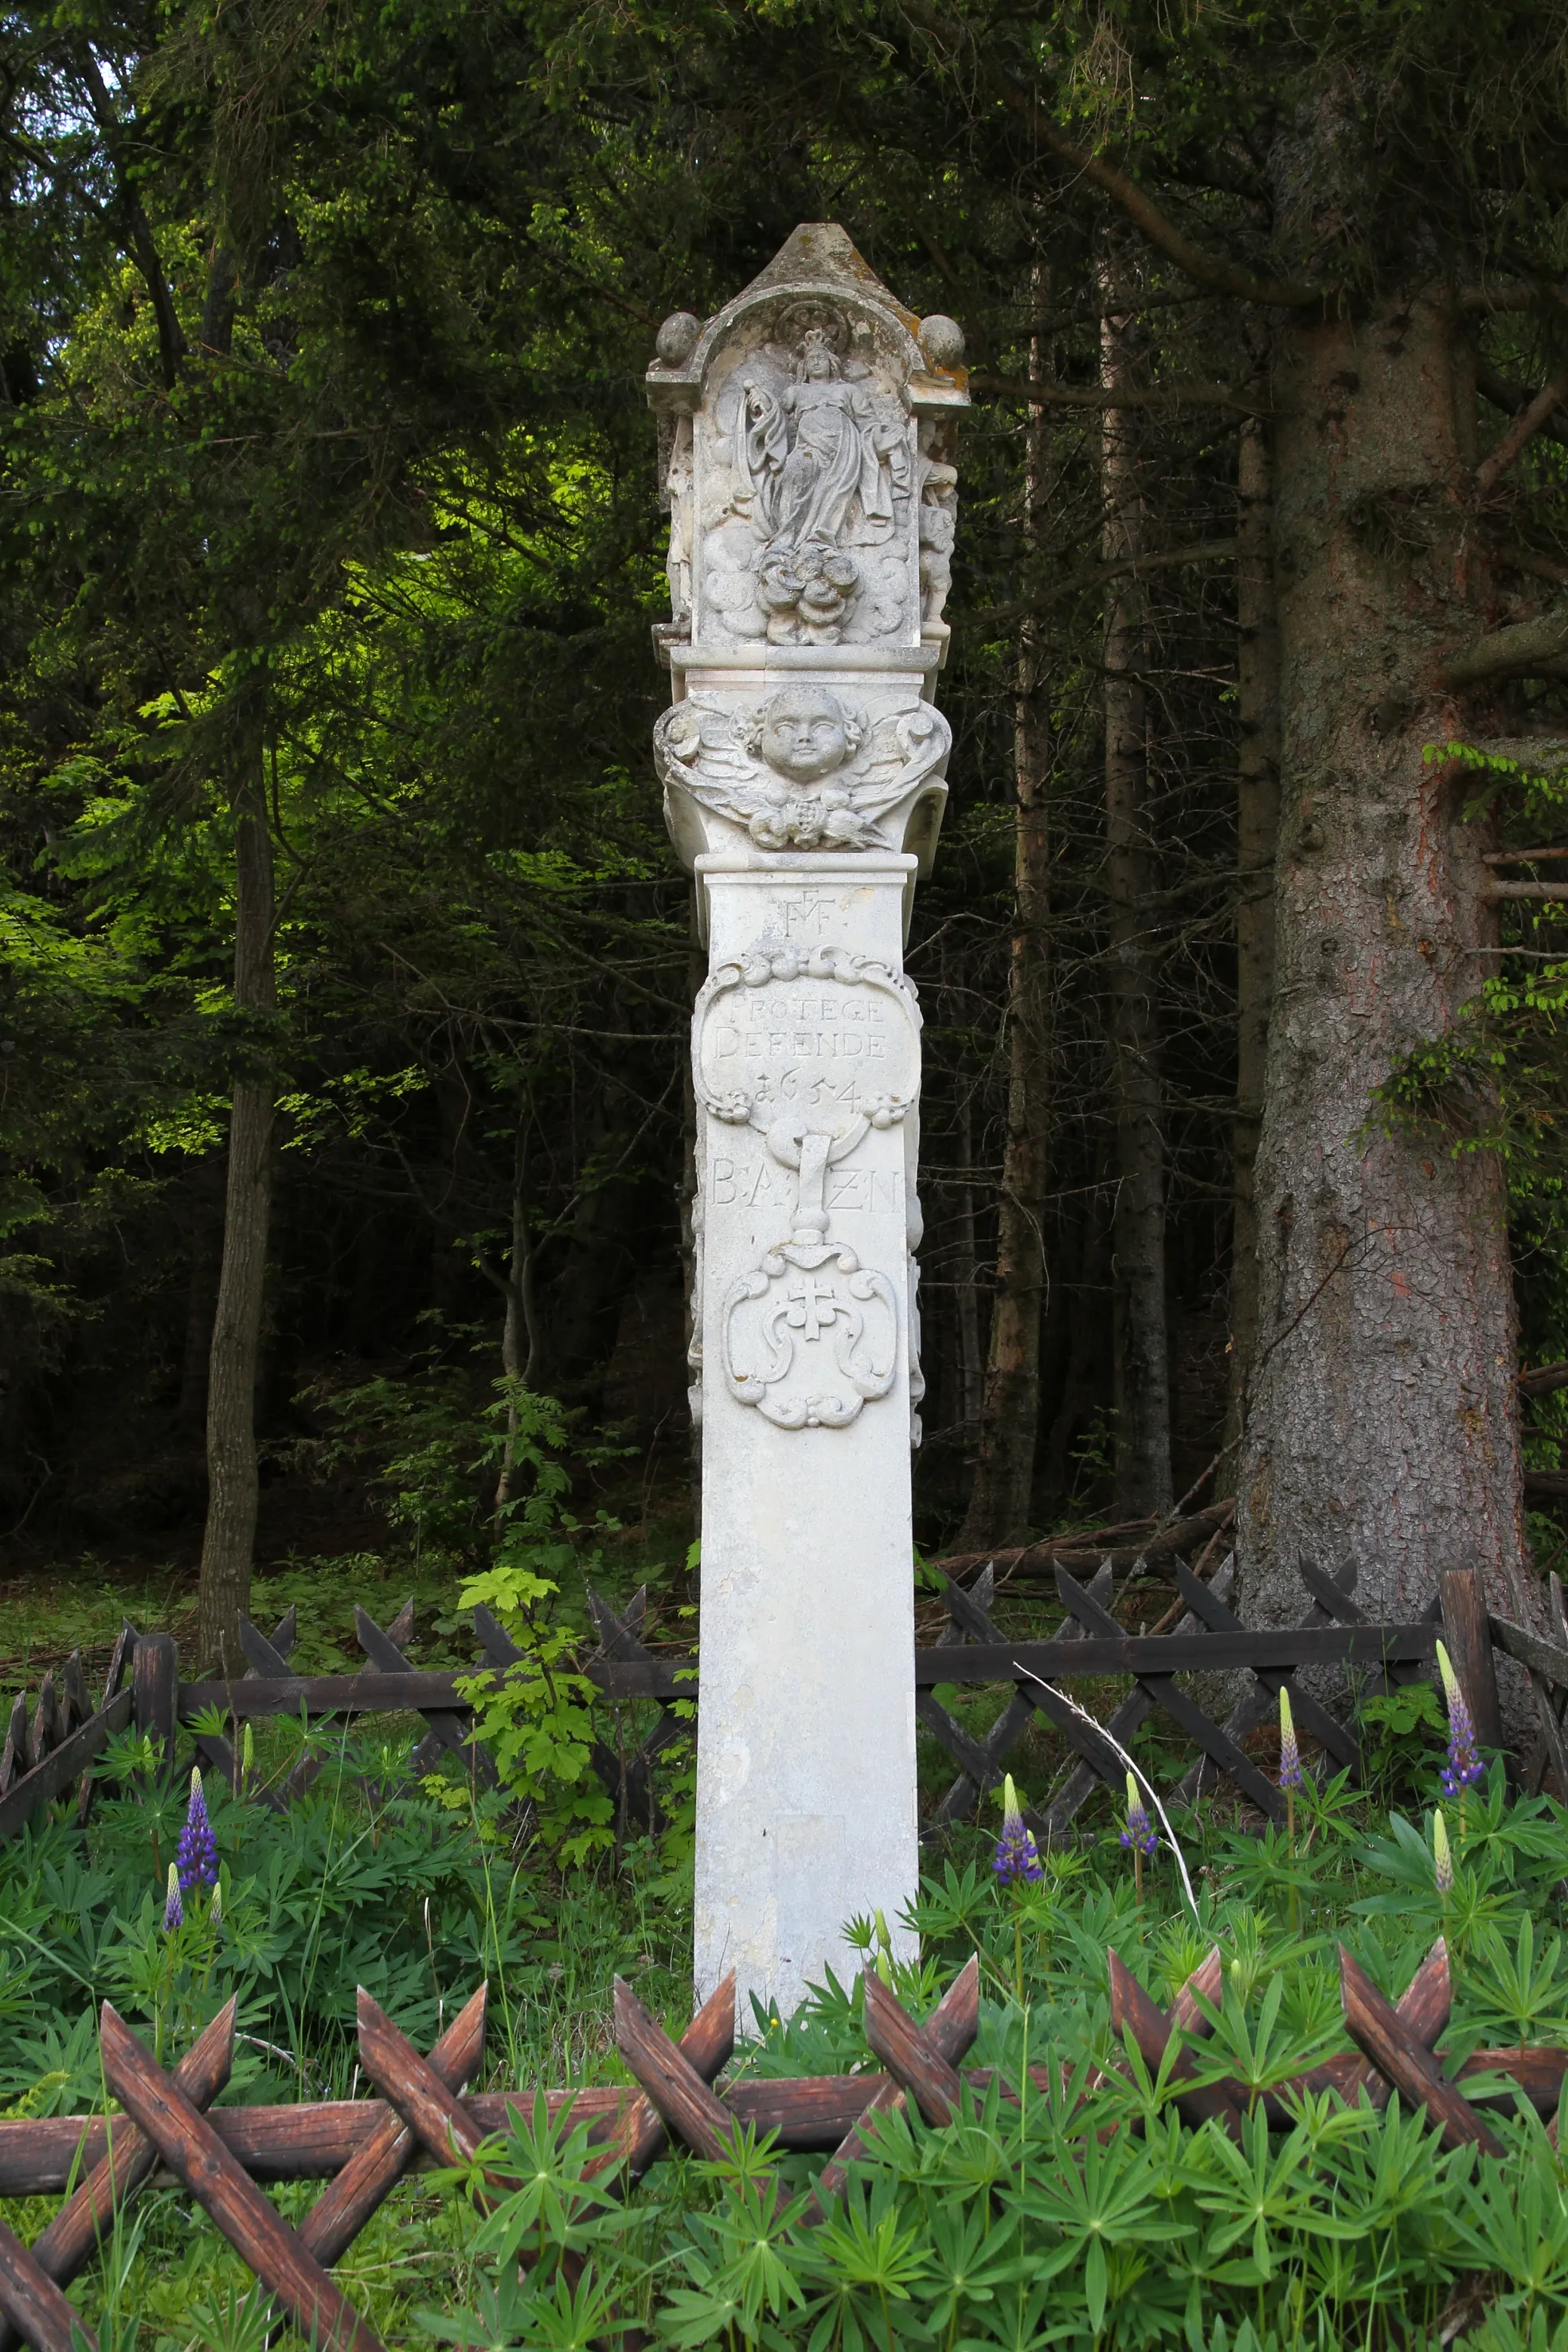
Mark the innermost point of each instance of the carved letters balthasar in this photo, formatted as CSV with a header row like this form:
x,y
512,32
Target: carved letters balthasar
x,y
807,438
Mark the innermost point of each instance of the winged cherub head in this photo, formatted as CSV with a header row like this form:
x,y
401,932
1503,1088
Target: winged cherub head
x,y
804,733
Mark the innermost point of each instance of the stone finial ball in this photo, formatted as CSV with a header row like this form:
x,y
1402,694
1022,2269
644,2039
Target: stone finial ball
x,y
675,338
942,340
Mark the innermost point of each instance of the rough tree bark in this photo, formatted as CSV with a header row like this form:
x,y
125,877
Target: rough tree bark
x,y
230,1536
1001,1495
1140,1354
1381,1421
1257,825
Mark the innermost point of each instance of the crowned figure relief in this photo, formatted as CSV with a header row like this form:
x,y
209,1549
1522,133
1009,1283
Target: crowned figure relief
x,y
816,469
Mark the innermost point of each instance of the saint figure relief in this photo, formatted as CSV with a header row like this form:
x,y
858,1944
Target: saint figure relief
x,y
801,773
816,471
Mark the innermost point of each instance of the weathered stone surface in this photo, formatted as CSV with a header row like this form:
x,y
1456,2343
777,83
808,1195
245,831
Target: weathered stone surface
x,y
811,488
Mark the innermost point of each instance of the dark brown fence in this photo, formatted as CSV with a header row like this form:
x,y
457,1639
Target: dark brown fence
x,y
45,1757
362,2147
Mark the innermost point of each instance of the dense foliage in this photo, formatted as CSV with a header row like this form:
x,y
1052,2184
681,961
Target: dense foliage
x,y
1087,2213
330,495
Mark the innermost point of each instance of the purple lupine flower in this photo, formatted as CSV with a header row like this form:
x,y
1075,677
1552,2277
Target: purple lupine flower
x,y
1464,1767
1016,1856
1289,1754
1442,1854
174,1909
1140,1835
198,1851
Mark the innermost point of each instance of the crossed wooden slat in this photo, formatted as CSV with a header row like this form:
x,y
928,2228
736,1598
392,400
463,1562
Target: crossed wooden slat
x,y
1551,1750
919,2061
167,2125
1403,2058
1154,2029
1396,2042
1164,1691
40,1764
944,2037
57,1714
1128,1717
385,1651
383,1648
1309,1715
1330,1604
217,1753
165,2119
32,2280
632,1782
981,1762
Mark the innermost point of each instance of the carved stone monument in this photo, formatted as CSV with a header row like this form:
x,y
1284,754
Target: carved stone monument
x,y
808,437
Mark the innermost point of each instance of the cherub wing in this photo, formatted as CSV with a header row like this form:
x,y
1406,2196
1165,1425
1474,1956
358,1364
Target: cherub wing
x,y
697,747
898,755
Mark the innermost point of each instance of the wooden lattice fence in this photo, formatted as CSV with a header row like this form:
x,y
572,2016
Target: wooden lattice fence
x,y
363,2148
54,1749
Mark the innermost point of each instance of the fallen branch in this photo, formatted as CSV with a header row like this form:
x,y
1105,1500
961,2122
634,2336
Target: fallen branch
x,y
1041,1559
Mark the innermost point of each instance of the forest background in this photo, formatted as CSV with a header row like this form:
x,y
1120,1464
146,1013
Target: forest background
x,y
346,968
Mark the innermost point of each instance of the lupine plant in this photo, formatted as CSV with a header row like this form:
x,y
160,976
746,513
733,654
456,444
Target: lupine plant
x,y
1464,1767
1138,1836
197,1859
1084,2211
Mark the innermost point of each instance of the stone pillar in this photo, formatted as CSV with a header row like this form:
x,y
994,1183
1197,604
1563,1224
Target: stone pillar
x,y
807,433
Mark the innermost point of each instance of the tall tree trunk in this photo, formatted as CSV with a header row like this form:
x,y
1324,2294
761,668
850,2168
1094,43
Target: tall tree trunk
x,y
230,1537
1383,1421
1000,1495
204,1230
521,1336
1257,826
965,1275
1140,1344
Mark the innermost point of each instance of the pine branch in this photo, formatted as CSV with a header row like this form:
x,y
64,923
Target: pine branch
x,y
1526,649
1488,300
1095,396
142,243
1208,551
1205,269
1496,387
1525,426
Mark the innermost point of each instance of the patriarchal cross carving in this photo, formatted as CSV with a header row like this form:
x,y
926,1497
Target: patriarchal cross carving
x,y
808,448
814,1306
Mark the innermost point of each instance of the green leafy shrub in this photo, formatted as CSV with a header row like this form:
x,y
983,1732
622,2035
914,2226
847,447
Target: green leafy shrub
x,y
1083,2210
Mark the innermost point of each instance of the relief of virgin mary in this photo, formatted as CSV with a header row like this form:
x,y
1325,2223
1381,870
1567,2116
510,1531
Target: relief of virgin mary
x,y
803,460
